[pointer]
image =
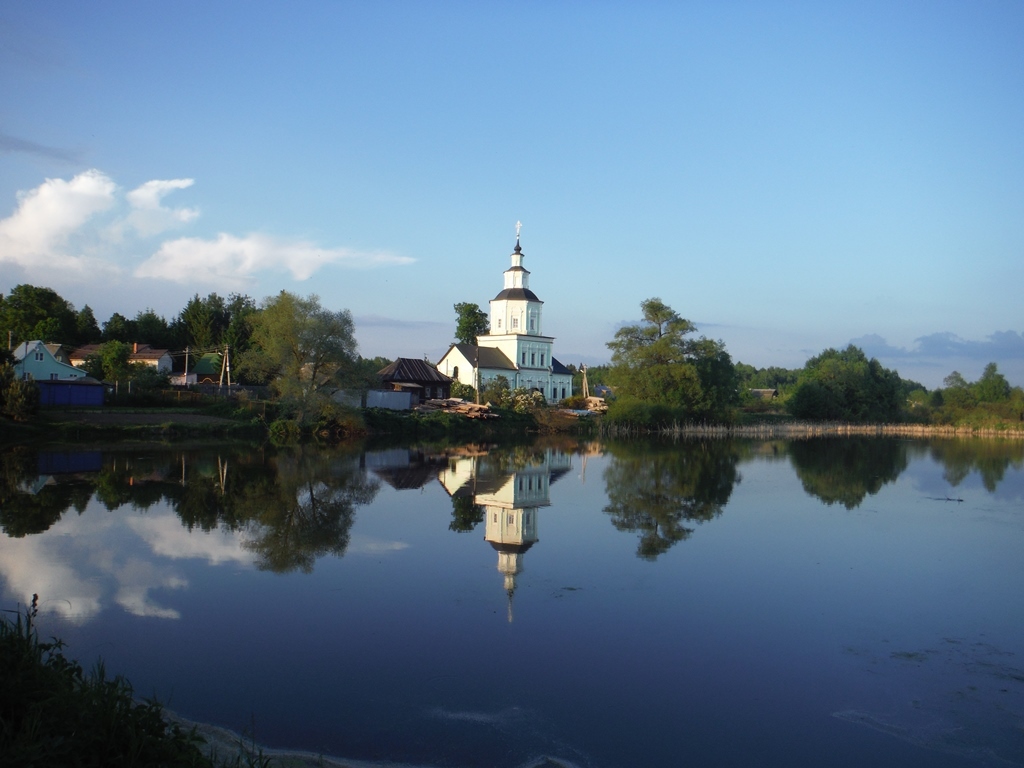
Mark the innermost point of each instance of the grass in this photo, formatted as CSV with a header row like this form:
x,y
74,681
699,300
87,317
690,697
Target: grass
x,y
53,713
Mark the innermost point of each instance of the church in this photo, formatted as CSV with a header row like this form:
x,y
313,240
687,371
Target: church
x,y
515,347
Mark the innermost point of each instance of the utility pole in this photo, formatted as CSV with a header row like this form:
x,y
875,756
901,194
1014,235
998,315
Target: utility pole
x,y
227,357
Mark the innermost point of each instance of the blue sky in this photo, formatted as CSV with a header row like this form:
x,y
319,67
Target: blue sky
x,y
788,176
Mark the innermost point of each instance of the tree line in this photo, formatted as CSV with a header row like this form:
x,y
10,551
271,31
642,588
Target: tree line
x,y
662,374
294,344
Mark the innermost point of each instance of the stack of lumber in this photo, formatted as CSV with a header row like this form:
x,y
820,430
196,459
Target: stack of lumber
x,y
596,404
458,405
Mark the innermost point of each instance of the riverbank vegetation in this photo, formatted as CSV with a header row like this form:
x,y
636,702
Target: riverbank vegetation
x,y
53,712
298,366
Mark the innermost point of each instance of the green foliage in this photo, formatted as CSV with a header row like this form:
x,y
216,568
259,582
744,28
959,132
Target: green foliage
x,y
152,329
989,403
526,401
655,363
54,713
846,386
87,330
661,492
19,400
845,470
30,312
285,432
627,413
465,514
497,392
302,348
992,387
364,373
114,357
773,377
119,328
464,391
471,321
575,403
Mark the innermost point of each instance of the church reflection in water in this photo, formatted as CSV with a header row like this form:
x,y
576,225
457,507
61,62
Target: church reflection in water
x,y
508,491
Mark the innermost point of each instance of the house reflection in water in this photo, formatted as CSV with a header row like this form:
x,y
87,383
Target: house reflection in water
x,y
510,489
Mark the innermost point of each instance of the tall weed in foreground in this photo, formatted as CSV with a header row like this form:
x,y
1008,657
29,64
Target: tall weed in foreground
x,y
52,713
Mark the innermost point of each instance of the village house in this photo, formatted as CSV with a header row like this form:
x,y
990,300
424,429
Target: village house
x,y
418,377
58,382
141,353
35,361
515,347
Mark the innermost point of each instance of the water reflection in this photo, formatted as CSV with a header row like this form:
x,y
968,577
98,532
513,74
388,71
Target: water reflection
x,y
506,490
903,622
661,490
844,470
292,507
287,509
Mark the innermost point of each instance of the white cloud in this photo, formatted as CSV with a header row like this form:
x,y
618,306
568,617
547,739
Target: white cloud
x,y
37,235
167,537
87,229
232,262
149,216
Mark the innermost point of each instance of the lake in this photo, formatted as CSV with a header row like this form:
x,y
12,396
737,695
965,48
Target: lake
x,y
820,602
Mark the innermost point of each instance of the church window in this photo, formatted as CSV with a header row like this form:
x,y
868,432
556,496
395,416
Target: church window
x,y
511,519
533,358
495,517
531,323
515,322
499,323
542,358
524,358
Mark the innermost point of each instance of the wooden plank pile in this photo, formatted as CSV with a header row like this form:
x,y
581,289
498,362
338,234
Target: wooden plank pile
x,y
458,405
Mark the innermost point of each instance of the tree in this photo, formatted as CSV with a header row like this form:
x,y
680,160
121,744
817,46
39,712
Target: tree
x,y
152,329
471,322
87,330
119,328
661,492
300,346
30,312
201,319
19,400
656,364
992,387
846,386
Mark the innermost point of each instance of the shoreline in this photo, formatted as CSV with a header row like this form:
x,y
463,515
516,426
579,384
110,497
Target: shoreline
x,y
225,743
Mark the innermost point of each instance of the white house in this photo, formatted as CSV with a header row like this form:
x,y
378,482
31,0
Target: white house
x,y
33,360
141,353
516,347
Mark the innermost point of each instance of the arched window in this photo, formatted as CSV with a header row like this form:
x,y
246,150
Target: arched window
x,y
455,372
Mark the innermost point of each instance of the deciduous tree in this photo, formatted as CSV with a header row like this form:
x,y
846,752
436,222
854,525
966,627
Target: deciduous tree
x,y
300,346
471,322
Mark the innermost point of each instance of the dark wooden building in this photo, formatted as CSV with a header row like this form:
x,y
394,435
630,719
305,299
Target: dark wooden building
x,y
408,374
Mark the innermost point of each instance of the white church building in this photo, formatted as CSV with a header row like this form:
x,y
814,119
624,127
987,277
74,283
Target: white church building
x,y
516,347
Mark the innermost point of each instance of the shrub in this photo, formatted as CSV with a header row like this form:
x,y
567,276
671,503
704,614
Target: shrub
x,y
285,432
53,713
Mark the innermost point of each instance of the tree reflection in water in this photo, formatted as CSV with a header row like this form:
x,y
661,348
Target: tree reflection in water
x,y
655,489
293,506
843,470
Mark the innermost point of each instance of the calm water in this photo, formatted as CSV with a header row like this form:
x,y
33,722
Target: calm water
x,y
822,602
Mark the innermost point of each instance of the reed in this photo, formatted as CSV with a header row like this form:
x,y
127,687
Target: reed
x,y
799,430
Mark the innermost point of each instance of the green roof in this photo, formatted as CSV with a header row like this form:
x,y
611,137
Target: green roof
x,y
209,364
